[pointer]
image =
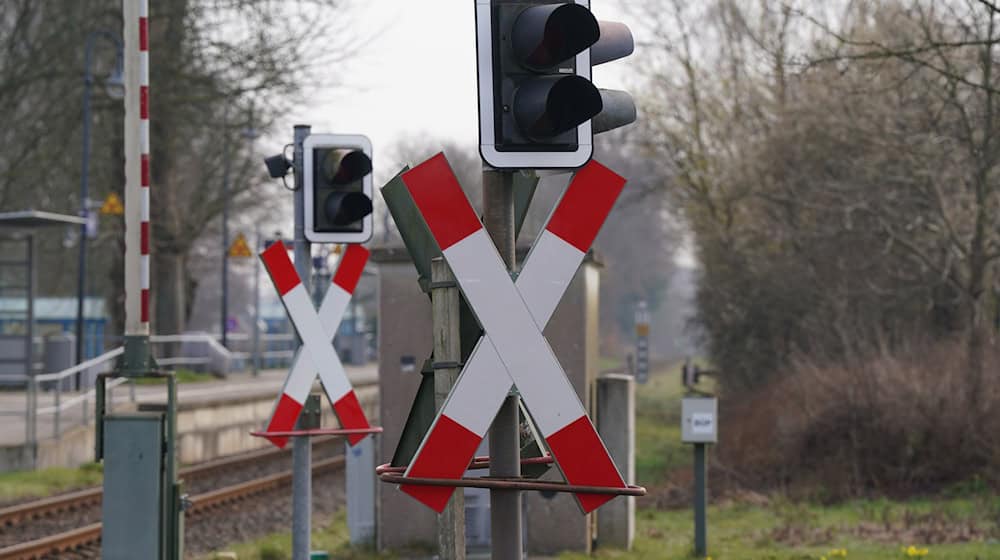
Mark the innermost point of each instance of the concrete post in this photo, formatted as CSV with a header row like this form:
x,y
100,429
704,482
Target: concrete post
x,y
31,420
360,483
616,425
447,354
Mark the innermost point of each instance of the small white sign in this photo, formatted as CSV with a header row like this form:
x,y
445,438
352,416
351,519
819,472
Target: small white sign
x,y
703,423
699,420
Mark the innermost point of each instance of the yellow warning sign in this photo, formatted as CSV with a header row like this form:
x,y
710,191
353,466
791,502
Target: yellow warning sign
x,y
239,248
112,205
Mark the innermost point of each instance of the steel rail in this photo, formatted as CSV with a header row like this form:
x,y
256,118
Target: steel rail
x,y
20,513
211,500
54,544
202,503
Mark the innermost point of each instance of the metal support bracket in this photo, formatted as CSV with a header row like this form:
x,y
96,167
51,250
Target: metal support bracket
x,y
137,360
447,365
394,475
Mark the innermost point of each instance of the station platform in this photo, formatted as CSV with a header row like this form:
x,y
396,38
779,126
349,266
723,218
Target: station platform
x,y
214,417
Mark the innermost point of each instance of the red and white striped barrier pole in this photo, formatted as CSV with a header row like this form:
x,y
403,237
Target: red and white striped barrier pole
x,y
137,175
513,349
316,331
144,233
137,358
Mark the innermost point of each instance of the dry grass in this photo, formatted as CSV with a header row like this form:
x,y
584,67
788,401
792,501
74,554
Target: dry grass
x,y
894,425
798,526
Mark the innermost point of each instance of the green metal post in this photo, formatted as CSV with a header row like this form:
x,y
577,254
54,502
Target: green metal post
x,y
99,409
32,421
137,360
700,501
173,500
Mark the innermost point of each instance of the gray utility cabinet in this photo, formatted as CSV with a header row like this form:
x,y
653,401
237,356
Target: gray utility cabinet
x,y
554,522
133,490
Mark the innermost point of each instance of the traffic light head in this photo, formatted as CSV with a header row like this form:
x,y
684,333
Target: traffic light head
x,y
536,100
337,179
543,36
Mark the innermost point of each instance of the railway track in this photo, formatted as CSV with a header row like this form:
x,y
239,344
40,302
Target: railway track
x,y
21,513
90,535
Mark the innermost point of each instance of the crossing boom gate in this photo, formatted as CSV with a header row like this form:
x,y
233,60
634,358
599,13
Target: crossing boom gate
x,y
512,350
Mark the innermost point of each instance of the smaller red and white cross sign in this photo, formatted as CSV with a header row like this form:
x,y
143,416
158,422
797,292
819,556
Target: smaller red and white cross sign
x,y
316,331
513,314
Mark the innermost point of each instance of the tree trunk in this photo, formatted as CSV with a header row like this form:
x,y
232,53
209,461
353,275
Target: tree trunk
x,y
976,350
168,285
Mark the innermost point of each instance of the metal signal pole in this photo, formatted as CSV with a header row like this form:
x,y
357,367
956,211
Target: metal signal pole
x,y
301,446
505,442
225,227
700,501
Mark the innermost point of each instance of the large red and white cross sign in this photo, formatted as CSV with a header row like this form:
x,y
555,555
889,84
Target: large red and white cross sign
x,y
513,314
316,331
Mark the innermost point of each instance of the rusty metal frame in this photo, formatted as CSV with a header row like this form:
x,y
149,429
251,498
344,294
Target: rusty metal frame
x,y
319,432
393,475
478,462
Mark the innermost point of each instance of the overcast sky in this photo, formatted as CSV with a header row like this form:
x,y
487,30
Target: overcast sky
x,y
418,77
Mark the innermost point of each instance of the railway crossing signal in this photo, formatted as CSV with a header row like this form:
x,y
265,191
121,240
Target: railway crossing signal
x,y
316,331
536,100
337,177
512,314
642,342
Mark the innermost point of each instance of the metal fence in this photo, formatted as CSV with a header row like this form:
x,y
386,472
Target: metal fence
x,y
200,351
268,351
81,398
33,385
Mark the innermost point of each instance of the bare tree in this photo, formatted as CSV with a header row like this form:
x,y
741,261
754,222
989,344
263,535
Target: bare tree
x,y
943,66
218,68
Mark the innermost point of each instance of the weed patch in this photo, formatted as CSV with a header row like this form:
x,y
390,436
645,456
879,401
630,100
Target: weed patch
x,y
23,485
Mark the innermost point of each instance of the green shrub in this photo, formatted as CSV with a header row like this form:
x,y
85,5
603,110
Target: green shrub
x,y
273,551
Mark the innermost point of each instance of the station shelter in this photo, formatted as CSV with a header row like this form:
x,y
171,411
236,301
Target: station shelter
x,y
18,279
